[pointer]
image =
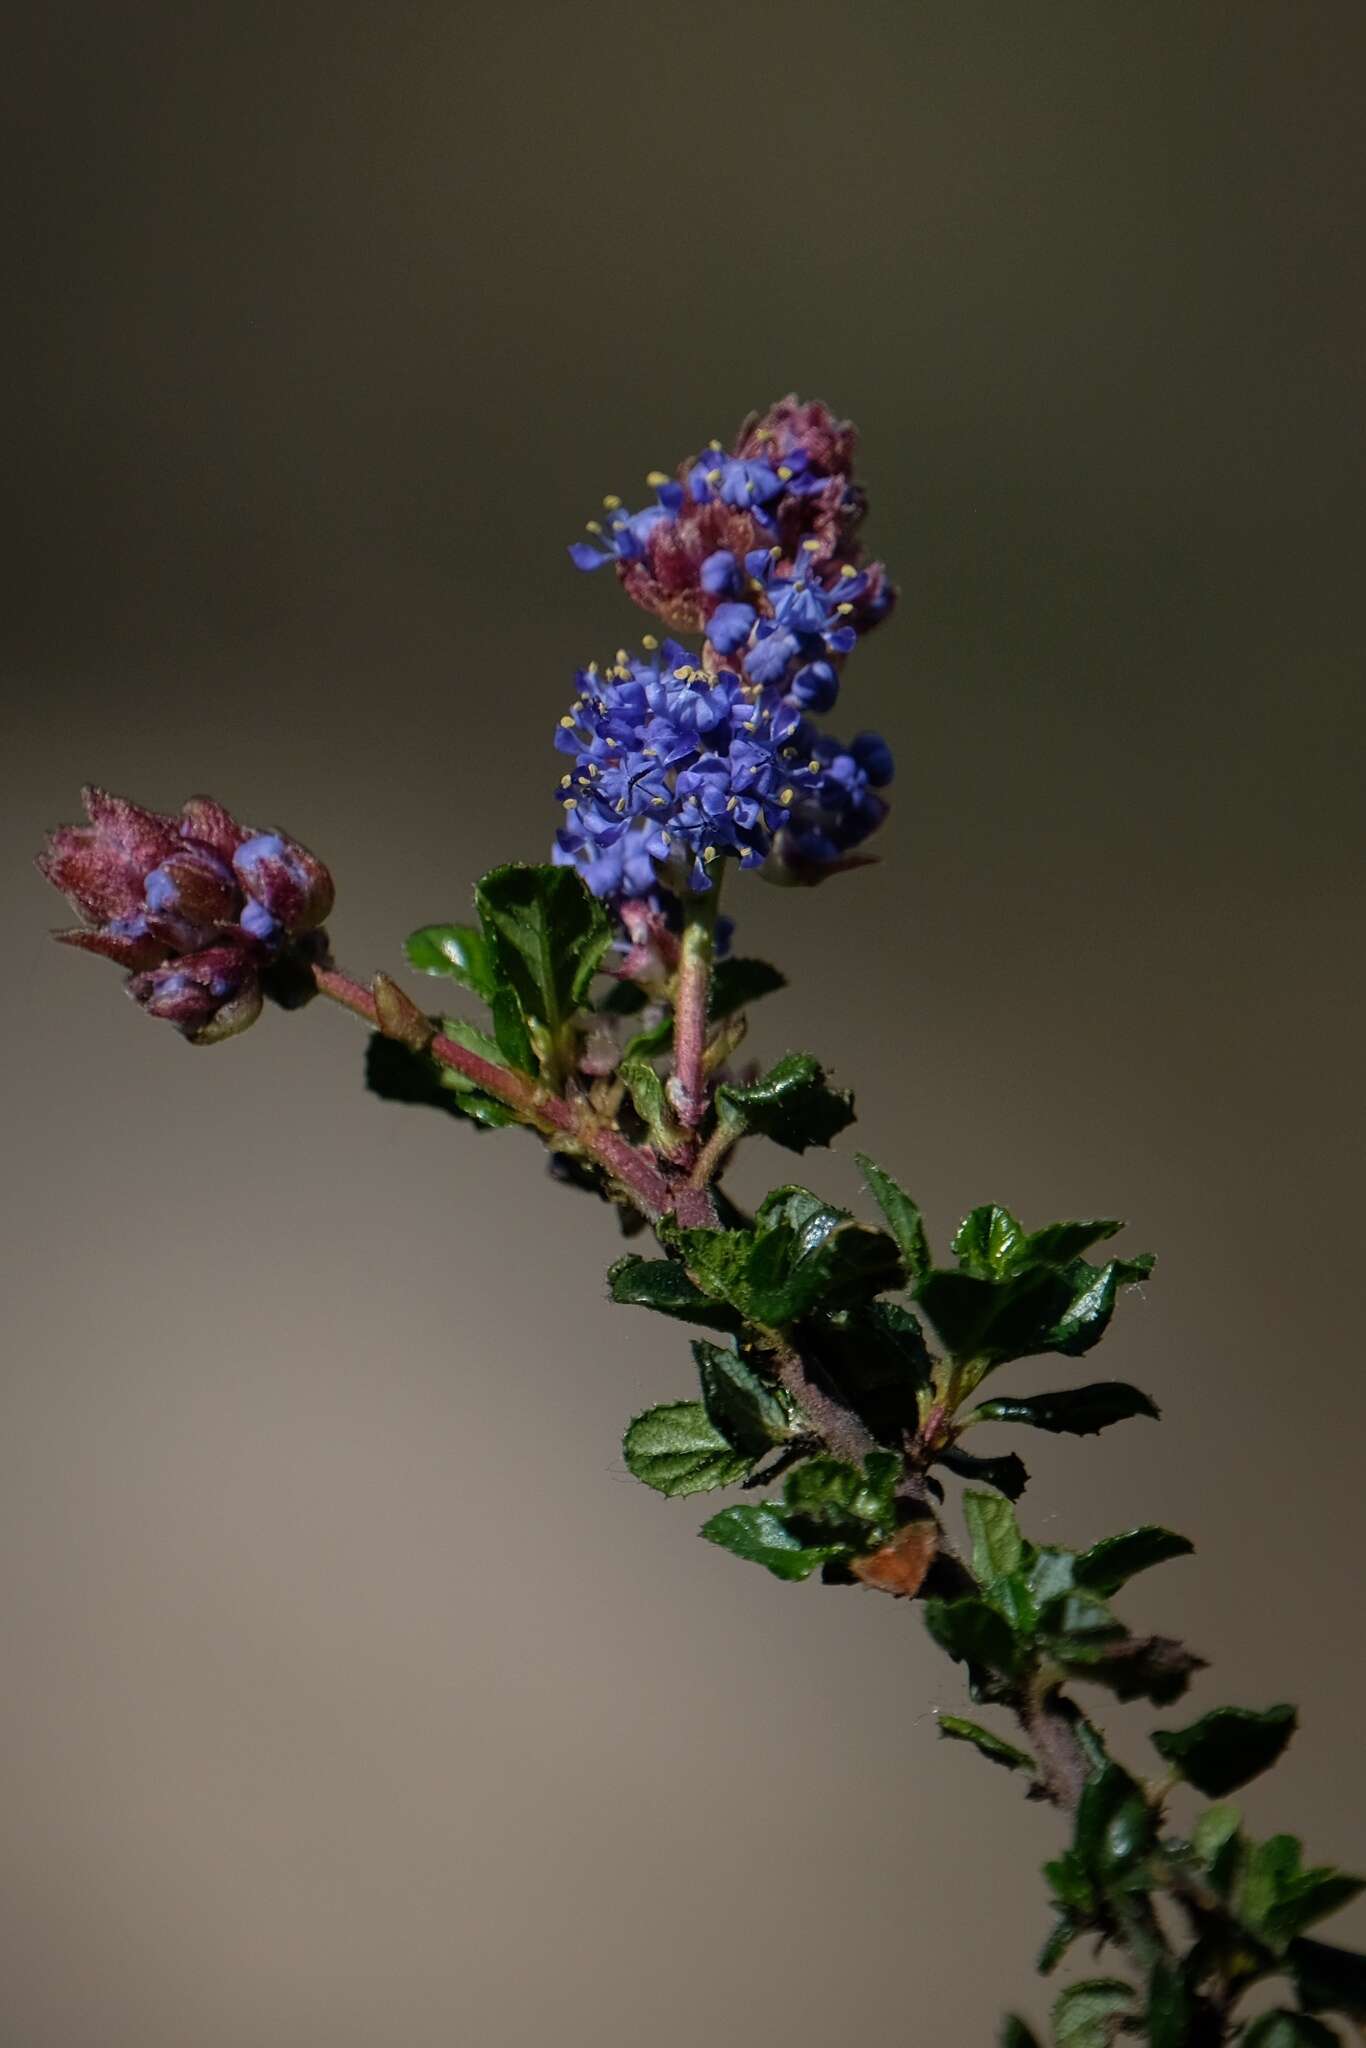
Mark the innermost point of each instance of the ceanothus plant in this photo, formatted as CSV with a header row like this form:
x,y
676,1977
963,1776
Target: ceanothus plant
x,y
843,1364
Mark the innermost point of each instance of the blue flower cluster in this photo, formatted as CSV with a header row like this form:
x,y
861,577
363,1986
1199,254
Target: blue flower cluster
x,y
683,760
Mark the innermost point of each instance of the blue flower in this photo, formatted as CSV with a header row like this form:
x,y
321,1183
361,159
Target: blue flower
x,y
622,538
674,769
745,484
844,807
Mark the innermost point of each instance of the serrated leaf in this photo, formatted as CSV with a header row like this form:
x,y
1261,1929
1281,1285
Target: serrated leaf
x,y
995,1320
1286,2029
677,1449
737,983
803,1254
1279,1898
547,935
760,1535
997,1546
973,1634
988,1242
751,1413
1006,1473
1227,1747
857,1505
792,1104
1092,2014
1073,1411
1328,1979
662,1285
903,1217
1112,1562
456,950
991,1746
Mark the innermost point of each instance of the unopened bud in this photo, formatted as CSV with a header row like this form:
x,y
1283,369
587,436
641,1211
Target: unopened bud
x,y
398,1016
285,879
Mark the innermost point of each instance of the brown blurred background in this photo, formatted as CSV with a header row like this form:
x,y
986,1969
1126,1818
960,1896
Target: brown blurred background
x,y
354,1696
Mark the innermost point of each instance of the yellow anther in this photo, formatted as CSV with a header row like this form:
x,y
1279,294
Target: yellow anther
x,y
593,525
814,766
783,471
713,476
709,852
611,503
567,722
785,796
716,445
813,547
848,569
731,802
571,803
656,478
649,643
682,675
566,782
845,608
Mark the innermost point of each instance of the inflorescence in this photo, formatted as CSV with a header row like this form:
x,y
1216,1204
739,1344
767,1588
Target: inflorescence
x,y
681,759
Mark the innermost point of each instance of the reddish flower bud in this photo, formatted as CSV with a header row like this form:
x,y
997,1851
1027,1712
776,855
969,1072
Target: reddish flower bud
x,y
285,880
208,996
104,865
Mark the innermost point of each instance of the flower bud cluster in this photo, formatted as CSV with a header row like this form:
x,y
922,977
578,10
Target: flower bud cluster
x,y
207,915
680,759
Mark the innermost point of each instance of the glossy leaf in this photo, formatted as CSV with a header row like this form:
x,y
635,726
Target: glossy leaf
x,y
1112,1562
1227,1747
903,1217
1093,2014
1060,1243
1006,1473
750,1412
792,1104
547,936
991,1746
662,1284
973,1634
1074,1411
761,1535
736,983
989,1242
677,1449
456,950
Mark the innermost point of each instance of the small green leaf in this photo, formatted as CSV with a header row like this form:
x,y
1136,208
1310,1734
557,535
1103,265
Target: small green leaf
x,y
761,1536
973,1634
751,1413
903,1218
735,984
1074,1411
1279,1898
792,1104
646,1090
1114,1825
1285,2029
1006,1473
547,936
1215,1829
1015,2034
1088,1315
1109,1564
1093,2014
989,1242
677,1449
1227,1747
1328,1979
457,950
662,1285
990,1745
997,1546
1059,1243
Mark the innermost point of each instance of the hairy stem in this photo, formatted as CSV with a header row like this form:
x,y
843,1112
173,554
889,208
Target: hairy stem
x,y
692,990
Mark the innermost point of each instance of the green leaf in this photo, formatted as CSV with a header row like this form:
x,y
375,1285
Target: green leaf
x,y
1109,1564
399,1074
991,1746
1059,1243
997,1546
989,1242
751,1413
802,1253
677,1449
994,1320
1227,1747
973,1634
1328,1979
1114,1825
1093,2014
1171,2007
457,950
792,1104
547,935
903,1218
1006,1473
1074,1411
1152,1668
1015,2034
1279,1898
762,1536
661,1284
651,1103
1285,2029
1215,1829
737,983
